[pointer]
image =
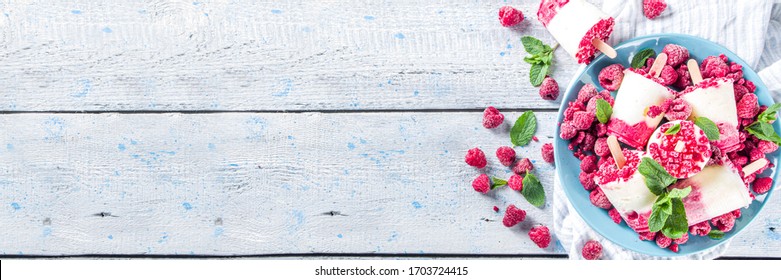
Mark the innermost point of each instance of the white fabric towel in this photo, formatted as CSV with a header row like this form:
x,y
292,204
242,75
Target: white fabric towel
x,y
750,28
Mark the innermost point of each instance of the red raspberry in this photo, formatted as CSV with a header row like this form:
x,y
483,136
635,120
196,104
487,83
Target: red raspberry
x,y
676,54
573,107
515,182
547,152
674,248
684,77
496,209
654,111
587,180
713,66
614,215
755,154
601,129
592,250
549,90
540,235
599,199
582,120
605,94
762,185
509,16
682,240
663,241
568,131
748,106
591,106
750,86
589,164
513,216
739,91
648,63
586,93
653,8
506,155
492,118
482,183
739,160
735,67
669,76
724,222
601,148
647,235
588,142
475,157
610,77
677,109
522,166
534,137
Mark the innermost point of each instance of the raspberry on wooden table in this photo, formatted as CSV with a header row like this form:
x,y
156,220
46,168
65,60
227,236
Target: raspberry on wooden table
x,y
509,16
540,235
592,250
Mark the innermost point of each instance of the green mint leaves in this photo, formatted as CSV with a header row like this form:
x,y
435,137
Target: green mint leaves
x,y
541,57
497,182
673,129
656,178
638,61
524,129
533,191
709,127
604,110
716,234
769,114
668,214
762,128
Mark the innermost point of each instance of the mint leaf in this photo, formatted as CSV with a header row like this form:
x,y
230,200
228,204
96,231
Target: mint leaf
x,y
769,114
533,45
709,127
638,61
497,182
547,57
533,191
537,73
716,234
764,131
657,220
534,59
673,129
677,224
679,193
663,204
524,128
656,178
604,110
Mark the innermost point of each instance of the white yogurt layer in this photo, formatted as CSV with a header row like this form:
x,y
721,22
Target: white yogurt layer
x,y
721,189
572,22
635,95
716,103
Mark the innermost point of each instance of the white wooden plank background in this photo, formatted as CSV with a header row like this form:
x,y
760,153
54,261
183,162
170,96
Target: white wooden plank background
x,y
374,164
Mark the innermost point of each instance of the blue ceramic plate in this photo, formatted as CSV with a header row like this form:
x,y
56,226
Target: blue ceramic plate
x,y
569,166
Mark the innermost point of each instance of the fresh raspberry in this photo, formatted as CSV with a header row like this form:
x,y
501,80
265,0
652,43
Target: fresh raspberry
x,y
506,155
647,235
748,106
677,109
668,76
755,154
482,183
663,241
713,66
475,157
515,182
509,16
492,118
496,209
762,185
522,166
684,77
674,248
599,199
682,240
592,250
513,216
549,90
647,68
601,148
568,131
591,106
573,107
586,93
750,86
610,77
614,215
588,142
582,120
724,222
547,152
653,8
735,75
540,235
589,164
736,213
587,180
676,54
739,91
535,139
601,129
735,67
605,94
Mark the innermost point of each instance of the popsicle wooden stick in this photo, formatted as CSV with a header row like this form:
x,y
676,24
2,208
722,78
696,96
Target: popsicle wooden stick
x,y
659,63
694,71
615,150
604,48
752,167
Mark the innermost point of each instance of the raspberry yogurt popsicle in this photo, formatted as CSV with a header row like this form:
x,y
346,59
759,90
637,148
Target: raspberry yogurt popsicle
x,y
579,27
630,122
716,190
682,153
714,99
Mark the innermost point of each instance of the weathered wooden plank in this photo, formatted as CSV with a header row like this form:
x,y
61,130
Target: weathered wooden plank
x,y
241,183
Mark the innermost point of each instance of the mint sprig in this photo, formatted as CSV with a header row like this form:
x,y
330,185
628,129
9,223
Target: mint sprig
x,y
604,110
709,127
638,61
762,128
654,175
523,129
533,191
668,213
541,58
497,182
673,129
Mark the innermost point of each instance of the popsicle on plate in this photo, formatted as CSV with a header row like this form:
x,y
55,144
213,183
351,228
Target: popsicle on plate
x,y
716,190
579,27
625,188
630,121
680,147
714,99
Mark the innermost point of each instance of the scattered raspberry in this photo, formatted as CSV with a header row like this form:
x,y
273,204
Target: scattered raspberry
x,y
587,180
739,90
522,166
684,77
668,76
515,182
475,157
535,139
677,109
586,93
599,199
496,209
663,241
592,250
762,185
610,77
682,240
713,66
482,183
676,54
674,247
582,120
540,235
513,216
509,16
568,131
549,90
588,164
614,215
506,155
647,235
492,118
653,8
748,106
601,148
724,222
547,152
